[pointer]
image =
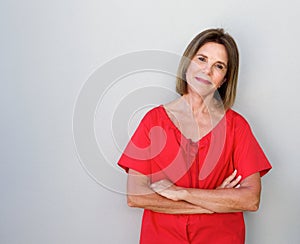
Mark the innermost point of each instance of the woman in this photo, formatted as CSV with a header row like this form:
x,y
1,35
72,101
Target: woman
x,y
194,164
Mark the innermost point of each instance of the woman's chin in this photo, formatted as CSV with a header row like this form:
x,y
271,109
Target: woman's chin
x,y
202,90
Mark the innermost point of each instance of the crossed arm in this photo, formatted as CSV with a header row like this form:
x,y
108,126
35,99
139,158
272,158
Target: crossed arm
x,y
164,197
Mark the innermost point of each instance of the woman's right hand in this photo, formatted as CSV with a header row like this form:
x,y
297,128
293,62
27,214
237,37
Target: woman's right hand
x,y
231,181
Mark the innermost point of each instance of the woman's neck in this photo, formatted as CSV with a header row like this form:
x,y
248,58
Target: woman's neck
x,y
200,105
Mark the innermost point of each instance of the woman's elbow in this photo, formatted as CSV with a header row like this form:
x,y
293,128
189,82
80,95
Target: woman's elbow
x,y
253,204
135,201
131,201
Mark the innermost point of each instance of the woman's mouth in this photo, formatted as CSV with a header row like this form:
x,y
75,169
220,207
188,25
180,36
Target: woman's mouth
x,y
204,81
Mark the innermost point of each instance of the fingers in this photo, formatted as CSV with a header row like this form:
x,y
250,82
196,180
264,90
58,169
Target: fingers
x,y
237,186
230,177
234,182
161,185
231,181
166,189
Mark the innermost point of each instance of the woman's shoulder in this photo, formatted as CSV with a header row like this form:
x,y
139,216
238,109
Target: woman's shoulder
x,y
154,114
156,110
236,118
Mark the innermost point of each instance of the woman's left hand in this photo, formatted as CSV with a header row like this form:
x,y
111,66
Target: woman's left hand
x,y
231,181
167,189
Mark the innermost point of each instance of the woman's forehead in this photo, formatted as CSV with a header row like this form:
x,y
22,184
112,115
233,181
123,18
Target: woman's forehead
x,y
214,50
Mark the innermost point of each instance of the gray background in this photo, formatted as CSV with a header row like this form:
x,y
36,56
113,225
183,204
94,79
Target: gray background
x,y
49,49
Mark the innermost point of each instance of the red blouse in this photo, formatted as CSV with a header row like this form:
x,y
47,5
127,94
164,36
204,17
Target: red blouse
x,y
159,150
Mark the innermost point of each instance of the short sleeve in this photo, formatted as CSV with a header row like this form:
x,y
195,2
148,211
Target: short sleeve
x,y
136,155
249,157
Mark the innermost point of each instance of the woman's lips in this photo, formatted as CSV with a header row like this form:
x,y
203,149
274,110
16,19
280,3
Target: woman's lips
x,y
207,82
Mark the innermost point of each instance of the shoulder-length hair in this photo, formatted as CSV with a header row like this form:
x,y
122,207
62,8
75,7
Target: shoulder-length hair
x,y
227,92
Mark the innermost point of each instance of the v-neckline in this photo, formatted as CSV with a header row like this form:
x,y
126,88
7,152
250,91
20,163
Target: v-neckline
x,y
182,135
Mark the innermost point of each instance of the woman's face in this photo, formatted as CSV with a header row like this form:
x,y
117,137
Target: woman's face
x,y
208,68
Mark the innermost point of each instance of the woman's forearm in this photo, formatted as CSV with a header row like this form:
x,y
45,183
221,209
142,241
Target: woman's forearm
x,y
160,204
223,200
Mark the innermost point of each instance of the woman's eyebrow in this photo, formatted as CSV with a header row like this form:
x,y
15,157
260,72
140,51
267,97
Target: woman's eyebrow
x,y
200,54
218,61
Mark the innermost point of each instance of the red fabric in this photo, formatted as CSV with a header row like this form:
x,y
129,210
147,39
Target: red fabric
x,y
159,150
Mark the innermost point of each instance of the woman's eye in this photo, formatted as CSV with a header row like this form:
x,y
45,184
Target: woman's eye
x,y
202,59
220,66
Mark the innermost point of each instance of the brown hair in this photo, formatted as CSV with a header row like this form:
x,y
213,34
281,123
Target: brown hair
x,y
227,91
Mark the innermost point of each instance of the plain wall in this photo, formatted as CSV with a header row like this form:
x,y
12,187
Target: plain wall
x,y
50,49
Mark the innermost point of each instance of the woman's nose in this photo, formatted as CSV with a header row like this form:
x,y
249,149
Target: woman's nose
x,y
207,69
